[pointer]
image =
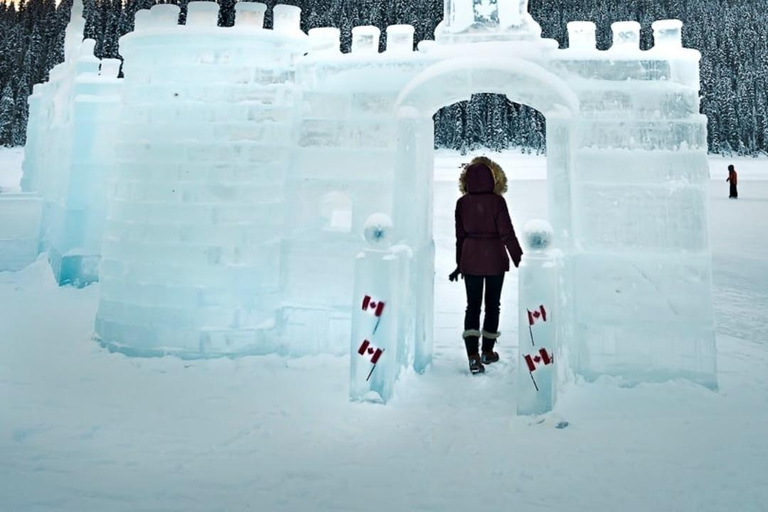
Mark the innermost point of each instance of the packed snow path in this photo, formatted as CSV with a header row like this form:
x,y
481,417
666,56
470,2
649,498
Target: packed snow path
x,y
85,430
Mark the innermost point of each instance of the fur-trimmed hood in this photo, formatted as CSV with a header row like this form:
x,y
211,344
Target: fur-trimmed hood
x,y
499,178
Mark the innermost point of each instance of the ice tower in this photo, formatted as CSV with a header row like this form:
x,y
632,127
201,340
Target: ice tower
x,y
70,154
246,161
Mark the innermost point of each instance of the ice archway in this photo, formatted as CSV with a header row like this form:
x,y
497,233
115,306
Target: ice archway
x,y
443,84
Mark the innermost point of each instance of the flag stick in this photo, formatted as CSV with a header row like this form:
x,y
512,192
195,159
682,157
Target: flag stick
x,y
374,367
534,381
530,329
378,321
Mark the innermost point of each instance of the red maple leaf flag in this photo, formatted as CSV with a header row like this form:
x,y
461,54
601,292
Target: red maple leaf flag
x,y
543,358
368,350
372,306
535,316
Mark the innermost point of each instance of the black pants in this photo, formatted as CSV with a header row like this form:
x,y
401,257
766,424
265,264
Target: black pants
x,y
734,191
493,286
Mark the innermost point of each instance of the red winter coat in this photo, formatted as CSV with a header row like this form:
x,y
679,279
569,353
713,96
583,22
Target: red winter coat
x,y
484,231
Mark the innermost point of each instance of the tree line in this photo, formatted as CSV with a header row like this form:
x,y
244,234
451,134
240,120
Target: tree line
x,y
731,35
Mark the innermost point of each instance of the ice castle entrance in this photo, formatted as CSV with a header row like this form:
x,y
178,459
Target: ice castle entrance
x,y
442,85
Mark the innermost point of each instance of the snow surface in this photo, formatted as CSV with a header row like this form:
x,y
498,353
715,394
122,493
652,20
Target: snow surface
x,y
85,430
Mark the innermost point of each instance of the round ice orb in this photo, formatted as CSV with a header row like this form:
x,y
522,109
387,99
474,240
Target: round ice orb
x,y
377,229
538,235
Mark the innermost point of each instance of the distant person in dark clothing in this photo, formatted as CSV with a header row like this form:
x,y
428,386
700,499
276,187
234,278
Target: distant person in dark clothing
x,y
733,179
484,235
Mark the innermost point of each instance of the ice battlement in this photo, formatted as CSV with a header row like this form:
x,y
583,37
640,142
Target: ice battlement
x,y
204,14
667,34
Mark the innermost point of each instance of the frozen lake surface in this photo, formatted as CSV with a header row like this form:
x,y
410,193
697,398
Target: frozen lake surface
x,y
85,430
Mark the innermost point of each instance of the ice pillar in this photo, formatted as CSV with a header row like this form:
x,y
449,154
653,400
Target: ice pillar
x,y
537,373
380,334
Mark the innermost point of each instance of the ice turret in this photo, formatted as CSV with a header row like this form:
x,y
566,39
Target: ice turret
x,y
75,29
478,20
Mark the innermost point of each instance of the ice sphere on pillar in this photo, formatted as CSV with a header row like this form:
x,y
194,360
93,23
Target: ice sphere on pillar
x,y
668,34
400,38
203,13
287,19
164,15
325,40
377,230
110,68
626,36
365,39
250,14
538,235
582,35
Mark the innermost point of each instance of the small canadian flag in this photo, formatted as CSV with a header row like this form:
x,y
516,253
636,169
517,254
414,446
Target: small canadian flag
x,y
368,350
373,306
535,316
543,358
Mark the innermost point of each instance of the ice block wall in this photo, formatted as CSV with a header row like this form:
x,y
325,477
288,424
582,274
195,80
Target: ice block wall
x,y
191,257
641,263
75,244
68,156
344,172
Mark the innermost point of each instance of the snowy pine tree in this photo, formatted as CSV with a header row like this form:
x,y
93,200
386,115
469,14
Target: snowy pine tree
x,y
7,116
730,34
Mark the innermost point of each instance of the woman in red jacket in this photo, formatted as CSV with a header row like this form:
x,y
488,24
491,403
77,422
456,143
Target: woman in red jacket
x,y
484,234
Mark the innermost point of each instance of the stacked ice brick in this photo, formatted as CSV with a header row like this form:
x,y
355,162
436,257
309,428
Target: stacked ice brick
x,y
191,255
344,172
68,158
640,265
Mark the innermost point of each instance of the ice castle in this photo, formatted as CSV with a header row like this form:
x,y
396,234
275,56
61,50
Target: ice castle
x,y
219,190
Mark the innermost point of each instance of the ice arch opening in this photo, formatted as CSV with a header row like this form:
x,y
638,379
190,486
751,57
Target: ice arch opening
x,y
444,84
457,80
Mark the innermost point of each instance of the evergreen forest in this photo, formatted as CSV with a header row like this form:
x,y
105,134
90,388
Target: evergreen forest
x,y
731,34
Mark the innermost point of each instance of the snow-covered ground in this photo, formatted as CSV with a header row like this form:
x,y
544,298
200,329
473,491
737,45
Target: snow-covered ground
x,y
88,431
10,169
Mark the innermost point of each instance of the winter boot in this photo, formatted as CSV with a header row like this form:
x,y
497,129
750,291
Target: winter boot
x,y
472,342
475,365
489,341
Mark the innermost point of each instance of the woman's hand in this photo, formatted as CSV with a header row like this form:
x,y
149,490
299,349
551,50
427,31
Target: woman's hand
x,y
455,276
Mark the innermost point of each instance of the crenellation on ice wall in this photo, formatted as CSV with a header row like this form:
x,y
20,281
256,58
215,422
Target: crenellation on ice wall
x,y
400,39
365,40
250,15
203,14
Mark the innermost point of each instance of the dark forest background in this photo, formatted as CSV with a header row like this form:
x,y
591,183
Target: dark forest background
x,y
731,34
